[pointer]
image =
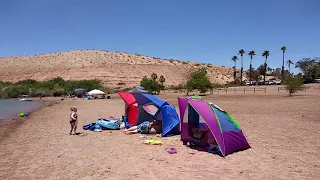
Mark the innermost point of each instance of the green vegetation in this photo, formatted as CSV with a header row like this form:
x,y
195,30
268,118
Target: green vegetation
x,y
310,67
293,84
151,84
234,59
265,54
241,53
198,79
283,49
53,87
251,54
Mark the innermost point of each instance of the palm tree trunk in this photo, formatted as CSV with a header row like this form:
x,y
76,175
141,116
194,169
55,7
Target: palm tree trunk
x,y
250,73
282,70
289,69
241,71
235,72
265,70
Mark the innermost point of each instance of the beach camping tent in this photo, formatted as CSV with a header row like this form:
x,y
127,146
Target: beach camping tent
x,y
131,107
142,107
198,115
96,92
151,107
79,91
138,89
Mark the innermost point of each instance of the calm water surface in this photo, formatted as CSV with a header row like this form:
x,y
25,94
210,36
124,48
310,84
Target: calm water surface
x,y
11,108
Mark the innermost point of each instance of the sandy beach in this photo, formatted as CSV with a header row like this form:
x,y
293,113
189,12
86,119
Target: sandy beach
x,y
283,132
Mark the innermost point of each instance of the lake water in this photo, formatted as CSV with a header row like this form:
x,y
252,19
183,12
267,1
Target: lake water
x,y
11,108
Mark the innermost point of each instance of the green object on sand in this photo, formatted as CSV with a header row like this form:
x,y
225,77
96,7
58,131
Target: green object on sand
x,y
196,97
22,114
84,157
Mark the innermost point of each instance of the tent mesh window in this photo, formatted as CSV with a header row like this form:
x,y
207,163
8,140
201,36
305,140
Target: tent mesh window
x,y
151,109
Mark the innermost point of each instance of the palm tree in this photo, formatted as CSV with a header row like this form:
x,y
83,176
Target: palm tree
x,y
289,62
234,59
283,49
251,54
266,55
269,69
241,53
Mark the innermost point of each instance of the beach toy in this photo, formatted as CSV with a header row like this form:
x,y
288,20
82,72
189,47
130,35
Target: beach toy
x,y
84,157
153,142
97,130
22,114
156,142
27,115
172,151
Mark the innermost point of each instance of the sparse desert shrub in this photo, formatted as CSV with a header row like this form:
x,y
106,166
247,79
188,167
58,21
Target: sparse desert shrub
x,y
177,87
151,85
121,83
183,62
198,79
293,84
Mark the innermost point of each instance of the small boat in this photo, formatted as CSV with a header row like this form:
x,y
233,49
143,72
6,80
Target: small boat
x,y
25,98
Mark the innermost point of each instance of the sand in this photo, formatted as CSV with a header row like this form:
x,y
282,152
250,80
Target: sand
x,y
283,132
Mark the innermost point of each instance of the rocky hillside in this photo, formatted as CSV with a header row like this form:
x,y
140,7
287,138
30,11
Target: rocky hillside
x,y
114,69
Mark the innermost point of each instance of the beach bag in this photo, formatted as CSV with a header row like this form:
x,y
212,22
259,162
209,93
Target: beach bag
x,y
200,136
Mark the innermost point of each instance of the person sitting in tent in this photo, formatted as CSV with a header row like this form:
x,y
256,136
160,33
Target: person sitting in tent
x,y
154,127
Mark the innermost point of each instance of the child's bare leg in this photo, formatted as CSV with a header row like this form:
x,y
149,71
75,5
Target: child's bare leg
x,y
75,127
72,125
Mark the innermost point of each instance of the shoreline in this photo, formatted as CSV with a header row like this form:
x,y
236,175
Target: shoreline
x,y
8,126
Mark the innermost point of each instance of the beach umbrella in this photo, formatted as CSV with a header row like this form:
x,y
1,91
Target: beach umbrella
x,y
96,92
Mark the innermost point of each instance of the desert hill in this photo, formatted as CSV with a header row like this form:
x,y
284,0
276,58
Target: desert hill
x,y
114,69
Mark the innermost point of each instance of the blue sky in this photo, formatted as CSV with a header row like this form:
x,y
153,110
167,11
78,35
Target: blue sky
x,y
208,31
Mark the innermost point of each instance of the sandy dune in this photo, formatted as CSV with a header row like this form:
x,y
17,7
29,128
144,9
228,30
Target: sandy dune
x,y
283,132
112,68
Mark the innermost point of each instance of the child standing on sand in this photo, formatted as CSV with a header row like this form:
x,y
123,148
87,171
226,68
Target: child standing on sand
x,y
73,120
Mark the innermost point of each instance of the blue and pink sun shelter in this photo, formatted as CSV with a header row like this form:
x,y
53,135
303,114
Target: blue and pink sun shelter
x,y
151,107
203,122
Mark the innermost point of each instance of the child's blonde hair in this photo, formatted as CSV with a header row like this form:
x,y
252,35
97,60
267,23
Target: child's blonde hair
x,y
73,108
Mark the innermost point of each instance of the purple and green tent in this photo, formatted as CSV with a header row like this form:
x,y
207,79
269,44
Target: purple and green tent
x,y
196,113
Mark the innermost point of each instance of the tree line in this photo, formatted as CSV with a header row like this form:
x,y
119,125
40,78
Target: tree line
x,y
310,67
52,87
